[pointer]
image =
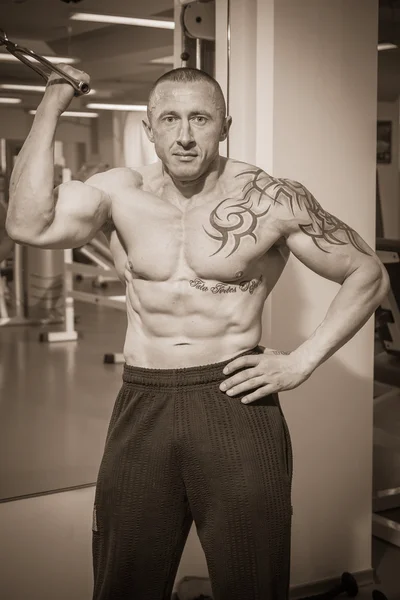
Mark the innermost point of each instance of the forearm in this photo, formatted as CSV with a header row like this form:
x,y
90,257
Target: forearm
x,y
358,298
31,202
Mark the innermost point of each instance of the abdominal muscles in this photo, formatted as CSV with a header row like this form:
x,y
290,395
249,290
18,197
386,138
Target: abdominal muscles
x,y
186,322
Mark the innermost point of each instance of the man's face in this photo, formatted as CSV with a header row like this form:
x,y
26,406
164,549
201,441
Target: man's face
x,y
186,126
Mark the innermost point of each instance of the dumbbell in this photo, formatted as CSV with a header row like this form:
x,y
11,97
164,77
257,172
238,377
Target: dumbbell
x,y
347,585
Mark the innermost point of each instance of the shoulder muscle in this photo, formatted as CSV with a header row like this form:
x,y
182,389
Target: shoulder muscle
x,y
113,180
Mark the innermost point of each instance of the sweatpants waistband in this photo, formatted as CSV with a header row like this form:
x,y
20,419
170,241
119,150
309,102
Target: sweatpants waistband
x,y
202,374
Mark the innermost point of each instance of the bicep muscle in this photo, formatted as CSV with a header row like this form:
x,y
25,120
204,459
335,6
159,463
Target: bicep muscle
x,y
79,212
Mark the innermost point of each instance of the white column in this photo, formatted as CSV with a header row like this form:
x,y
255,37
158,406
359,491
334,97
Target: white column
x,y
303,89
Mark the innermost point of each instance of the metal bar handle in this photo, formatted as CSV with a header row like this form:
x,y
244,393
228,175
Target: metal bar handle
x,y
80,87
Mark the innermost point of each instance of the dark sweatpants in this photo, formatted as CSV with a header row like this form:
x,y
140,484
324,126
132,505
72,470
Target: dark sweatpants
x,y
179,449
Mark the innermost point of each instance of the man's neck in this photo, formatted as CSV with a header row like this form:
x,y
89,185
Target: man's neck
x,y
202,186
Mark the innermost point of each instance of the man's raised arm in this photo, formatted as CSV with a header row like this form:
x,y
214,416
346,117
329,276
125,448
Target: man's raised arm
x,y
39,215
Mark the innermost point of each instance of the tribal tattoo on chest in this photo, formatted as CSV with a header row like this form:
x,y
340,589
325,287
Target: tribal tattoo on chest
x,y
235,219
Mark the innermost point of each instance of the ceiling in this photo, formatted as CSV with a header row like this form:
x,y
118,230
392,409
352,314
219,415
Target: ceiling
x,y
118,58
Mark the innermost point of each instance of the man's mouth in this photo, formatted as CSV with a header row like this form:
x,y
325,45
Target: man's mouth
x,y
185,154
186,157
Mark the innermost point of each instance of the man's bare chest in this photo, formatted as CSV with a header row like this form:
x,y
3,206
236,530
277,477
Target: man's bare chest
x,y
222,239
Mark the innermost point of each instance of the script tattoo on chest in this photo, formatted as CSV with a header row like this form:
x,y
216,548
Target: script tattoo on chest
x,y
225,288
234,219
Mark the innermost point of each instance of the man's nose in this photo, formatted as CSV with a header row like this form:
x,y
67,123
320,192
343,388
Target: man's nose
x,y
185,137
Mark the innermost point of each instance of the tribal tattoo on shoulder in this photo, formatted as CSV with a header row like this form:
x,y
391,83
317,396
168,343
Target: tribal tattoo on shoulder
x,y
234,219
323,226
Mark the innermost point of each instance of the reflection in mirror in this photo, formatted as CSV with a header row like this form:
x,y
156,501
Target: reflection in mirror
x,y
55,395
62,312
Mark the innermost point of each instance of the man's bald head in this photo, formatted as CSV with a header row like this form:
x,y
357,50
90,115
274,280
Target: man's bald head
x,y
186,122
188,75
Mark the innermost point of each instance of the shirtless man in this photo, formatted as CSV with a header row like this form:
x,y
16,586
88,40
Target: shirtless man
x,y
197,431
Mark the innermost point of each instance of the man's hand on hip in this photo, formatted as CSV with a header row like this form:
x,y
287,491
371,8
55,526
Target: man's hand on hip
x,y
267,373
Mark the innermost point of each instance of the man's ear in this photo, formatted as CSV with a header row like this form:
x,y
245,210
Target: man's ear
x,y
225,129
148,129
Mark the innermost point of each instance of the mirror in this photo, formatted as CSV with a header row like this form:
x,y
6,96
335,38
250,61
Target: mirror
x,y
62,317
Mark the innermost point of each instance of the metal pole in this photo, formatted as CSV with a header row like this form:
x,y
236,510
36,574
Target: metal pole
x,y
199,47
228,36
69,308
18,282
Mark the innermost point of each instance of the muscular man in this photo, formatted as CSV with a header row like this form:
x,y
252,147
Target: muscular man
x,y
197,431
6,244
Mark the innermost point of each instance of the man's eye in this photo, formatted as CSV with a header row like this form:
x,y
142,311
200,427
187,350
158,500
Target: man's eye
x,y
200,120
169,119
